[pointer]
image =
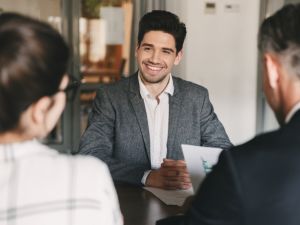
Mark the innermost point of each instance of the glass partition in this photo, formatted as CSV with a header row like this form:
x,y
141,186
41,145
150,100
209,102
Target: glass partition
x,y
50,11
104,32
99,34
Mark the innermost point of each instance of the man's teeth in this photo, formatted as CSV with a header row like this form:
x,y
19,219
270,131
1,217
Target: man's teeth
x,y
154,68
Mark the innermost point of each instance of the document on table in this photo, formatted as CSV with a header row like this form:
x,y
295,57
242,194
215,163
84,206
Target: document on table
x,y
171,197
200,161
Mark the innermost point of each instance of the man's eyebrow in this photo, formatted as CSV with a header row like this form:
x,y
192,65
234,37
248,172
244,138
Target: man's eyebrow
x,y
168,49
150,45
147,45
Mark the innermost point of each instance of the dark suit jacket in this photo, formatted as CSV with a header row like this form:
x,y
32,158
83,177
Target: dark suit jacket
x,y
257,183
118,130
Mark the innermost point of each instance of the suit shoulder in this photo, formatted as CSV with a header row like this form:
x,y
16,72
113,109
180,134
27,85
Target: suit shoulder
x,y
114,90
120,84
266,142
189,87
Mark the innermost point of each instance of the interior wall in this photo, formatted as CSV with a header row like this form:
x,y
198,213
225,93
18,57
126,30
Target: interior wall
x,y
221,54
179,7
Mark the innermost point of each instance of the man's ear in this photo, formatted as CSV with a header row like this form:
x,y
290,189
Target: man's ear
x,y
272,65
136,49
178,57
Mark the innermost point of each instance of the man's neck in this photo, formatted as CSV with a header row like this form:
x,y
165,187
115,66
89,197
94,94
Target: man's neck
x,y
292,100
292,111
155,89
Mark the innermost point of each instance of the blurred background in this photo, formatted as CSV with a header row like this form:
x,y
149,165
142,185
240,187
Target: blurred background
x,y
220,53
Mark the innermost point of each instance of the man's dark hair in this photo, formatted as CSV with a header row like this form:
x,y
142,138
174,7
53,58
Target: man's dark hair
x,y
33,60
280,33
160,20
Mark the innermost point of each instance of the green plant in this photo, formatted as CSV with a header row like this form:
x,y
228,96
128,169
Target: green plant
x,y
90,8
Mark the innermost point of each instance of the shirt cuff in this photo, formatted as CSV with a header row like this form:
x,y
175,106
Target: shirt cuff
x,y
146,173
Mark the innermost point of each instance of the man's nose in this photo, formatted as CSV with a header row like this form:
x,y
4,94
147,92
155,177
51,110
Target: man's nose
x,y
155,58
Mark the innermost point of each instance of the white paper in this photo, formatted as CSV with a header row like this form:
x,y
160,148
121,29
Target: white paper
x,y
200,161
171,197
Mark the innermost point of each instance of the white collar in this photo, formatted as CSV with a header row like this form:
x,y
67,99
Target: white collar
x,y
289,116
144,91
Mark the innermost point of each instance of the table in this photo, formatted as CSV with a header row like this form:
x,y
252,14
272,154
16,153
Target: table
x,y
140,207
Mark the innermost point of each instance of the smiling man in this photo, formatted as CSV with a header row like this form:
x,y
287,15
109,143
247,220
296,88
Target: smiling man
x,y
138,124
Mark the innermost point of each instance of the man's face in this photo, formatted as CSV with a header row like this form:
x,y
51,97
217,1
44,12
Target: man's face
x,y
156,56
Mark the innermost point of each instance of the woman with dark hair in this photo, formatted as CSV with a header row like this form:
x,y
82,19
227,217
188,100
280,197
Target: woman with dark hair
x,y
38,185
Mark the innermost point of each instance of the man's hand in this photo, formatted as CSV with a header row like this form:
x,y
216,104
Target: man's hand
x,y
171,175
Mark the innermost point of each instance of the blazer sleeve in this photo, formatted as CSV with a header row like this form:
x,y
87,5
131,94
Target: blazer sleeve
x,y
218,201
213,133
98,141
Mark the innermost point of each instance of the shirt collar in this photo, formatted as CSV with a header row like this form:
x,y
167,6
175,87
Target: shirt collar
x,y
289,116
170,87
144,92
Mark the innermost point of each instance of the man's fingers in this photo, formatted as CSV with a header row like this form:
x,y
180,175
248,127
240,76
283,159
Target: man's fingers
x,y
182,179
168,163
182,171
174,164
174,171
180,163
176,184
171,176
171,184
170,173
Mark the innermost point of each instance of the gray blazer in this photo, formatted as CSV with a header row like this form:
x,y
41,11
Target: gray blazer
x,y
118,133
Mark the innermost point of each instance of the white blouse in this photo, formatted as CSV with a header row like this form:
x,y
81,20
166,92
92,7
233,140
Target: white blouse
x,y
40,186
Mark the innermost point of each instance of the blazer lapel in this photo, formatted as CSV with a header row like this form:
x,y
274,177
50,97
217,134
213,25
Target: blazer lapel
x,y
140,111
174,112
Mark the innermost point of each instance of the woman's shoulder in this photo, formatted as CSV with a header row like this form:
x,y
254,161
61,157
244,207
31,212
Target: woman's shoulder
x,y
80,164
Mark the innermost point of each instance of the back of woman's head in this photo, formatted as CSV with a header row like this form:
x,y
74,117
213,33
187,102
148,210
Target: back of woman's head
x,y
33,60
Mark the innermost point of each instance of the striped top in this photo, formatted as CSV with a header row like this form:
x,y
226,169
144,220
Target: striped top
x,y
39,186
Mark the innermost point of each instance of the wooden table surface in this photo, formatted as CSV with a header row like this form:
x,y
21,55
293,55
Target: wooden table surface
x,y
140,207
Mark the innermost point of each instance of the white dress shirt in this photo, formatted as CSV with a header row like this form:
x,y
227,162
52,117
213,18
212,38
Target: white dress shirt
x,y
157,110
292,112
